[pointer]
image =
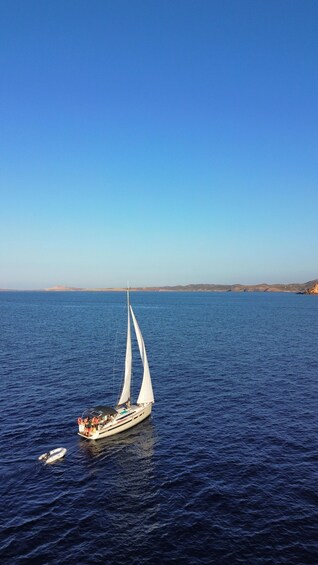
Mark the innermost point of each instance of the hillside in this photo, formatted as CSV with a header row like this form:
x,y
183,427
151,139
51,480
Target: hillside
x,y
262,287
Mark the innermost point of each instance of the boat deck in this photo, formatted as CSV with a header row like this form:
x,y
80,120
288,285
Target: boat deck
x,y
126,418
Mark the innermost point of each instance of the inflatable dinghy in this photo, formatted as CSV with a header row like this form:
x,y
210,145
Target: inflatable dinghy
x,y
53,455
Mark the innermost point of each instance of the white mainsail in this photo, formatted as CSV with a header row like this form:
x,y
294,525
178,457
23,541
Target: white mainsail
x,y
146,392
125,394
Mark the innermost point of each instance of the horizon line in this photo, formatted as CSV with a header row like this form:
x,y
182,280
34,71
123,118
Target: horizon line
x,y
189,286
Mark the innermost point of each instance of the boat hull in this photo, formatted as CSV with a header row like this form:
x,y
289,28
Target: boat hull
x,y
124,421
53,455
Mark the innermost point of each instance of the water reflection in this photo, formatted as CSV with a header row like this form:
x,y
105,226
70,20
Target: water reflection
x,y
121,475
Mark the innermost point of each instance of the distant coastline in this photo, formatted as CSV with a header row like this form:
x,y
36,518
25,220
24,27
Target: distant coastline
x,y
303,288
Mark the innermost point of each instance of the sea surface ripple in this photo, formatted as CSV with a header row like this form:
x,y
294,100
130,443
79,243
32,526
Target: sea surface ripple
x,y
226,469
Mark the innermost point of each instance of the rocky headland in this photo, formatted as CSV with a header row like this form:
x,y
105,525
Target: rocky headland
x,y
311,290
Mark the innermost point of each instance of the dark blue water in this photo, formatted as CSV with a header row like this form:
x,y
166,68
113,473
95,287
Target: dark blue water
x,y
226,469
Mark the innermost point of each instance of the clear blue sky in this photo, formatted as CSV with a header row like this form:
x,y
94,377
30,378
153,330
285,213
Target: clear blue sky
x,y
158,141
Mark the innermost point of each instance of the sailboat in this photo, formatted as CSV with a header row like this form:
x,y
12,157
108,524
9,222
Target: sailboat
x,y
103,421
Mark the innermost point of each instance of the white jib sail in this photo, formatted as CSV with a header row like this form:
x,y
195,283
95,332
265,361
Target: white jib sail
x,y
125,393
146,392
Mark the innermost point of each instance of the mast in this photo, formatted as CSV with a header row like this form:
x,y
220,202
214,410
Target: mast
x,y
146,392
125,393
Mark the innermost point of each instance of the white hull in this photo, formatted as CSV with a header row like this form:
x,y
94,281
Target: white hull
x,y
53,455
123,421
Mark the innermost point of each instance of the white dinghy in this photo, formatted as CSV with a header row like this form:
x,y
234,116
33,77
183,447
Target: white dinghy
x,y
53,455
104,421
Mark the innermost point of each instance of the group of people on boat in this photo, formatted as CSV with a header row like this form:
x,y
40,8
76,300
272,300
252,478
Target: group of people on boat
x,y
89,425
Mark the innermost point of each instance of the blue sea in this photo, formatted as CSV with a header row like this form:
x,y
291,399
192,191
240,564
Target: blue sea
x,y
226,469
